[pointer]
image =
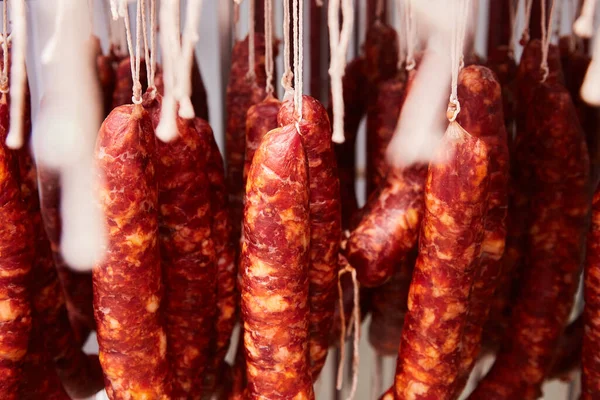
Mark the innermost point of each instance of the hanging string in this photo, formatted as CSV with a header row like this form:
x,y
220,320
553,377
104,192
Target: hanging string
x,y
298,14
525,34
457,46
18,76
288,75
338,43
152,83
513,9
169,41
146,50
379,10
134,57
589,89
4,76
584,25
251,46
411,34
183,80
236,18
269,46
546,36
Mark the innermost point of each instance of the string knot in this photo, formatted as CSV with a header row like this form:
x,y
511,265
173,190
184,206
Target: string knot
x,y
411,64
453,109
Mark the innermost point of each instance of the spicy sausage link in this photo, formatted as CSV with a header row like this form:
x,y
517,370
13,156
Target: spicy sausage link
x,y
558,168
275,269
438,301
481,115
128,286
187,252
325,221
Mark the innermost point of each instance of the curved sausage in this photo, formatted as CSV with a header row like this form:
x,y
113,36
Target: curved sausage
x,y
187,252
481,115
452,232
591,339
128,285
325,221
227,295
16,241
242,93
557,166
275,269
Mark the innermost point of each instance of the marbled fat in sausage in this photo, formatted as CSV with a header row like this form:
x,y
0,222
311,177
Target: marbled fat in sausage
x,y
275,280
128,286
452,232
325,221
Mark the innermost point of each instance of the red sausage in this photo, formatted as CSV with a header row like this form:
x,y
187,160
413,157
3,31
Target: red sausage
x,y
557,168
452,232
325,221
591,339
128,285
187,252
275,284
481,115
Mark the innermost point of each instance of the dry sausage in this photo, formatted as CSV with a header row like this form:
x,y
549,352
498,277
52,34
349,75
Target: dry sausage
x,y
16,241
591,339
557,168
452,232
187,251
275,269
501,61
242,93
325,221
481,115
128,285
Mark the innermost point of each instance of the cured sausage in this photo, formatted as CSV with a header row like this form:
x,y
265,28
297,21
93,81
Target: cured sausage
x,y
355,107
391,219
227,295
591,339
528,76
106,75
452,232
275,284
381,64
557,168
16,242
242,93
388,308
325,221
81,374
187,251
261,119
503,64
128,290
481,115
498,24
76,285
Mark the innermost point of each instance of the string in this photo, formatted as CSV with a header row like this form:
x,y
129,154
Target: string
x,y
18,78
584,25
298,14
183,79
269,46
251,50
411,35
4,77
513,9
286,80
146,50
137,86
152,84
339,47
236,18
525,34
546,36
379,10
457,45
